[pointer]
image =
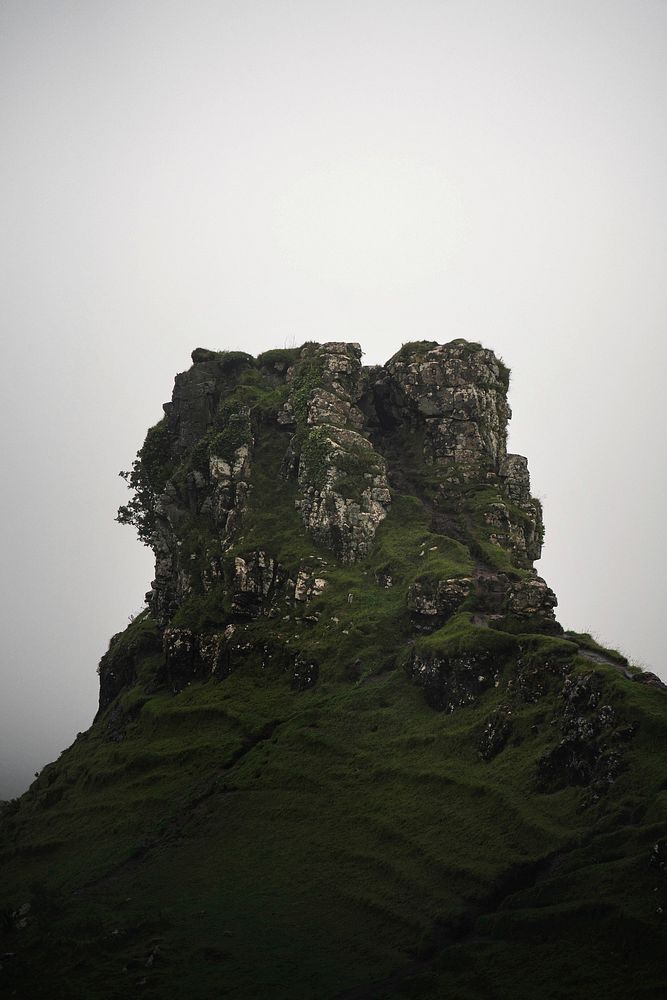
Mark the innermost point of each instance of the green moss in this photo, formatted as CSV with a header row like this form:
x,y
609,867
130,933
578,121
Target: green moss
x,y
412,351
236,432
586,641
280,359
307,378
355,470
203,612
475,503
315,453
326,838
536,649
227,362
337,840
459,635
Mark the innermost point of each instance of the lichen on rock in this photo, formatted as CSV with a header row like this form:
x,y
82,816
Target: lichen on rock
x,y
342,479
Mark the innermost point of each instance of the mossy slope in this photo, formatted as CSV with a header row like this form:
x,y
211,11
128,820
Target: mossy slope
x,y
243,838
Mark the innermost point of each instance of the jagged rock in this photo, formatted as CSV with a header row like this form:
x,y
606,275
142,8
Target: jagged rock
x,y
450,682
515,477
172,582
496,733
346,420
531,597
230,477
214,654
531,600
584,755
458,393
190,655
328,408
308,586
255,580
535,676
180,653
520,535
197,394
118,666
436,600
491,590
344,489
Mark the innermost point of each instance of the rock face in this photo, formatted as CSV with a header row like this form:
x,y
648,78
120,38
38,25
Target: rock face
x,y
239,431
456,393
590,749
343,423
452,681
435,601
344,490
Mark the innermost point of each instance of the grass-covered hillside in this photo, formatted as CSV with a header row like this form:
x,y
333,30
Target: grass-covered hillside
x,y
395,776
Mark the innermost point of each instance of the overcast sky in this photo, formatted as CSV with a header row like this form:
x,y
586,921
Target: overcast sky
x,y
254,174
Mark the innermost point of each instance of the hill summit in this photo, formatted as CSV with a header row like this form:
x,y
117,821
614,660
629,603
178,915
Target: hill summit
x,y
347,750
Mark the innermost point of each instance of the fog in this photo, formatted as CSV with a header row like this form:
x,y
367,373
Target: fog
x,y
250,175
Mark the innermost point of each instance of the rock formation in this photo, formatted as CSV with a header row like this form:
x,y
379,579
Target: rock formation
x,y
346,750
342,425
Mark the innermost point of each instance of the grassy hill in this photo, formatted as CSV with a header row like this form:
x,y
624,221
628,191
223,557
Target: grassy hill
x,y
357,801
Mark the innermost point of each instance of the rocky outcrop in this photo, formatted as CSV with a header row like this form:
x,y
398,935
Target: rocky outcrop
x,y
432,602
455,680
308,585
215,493
255,580
198,393
589,752
533,602
344,490
230,481
434,419
118,667
189,656
496,733
518,530
456,393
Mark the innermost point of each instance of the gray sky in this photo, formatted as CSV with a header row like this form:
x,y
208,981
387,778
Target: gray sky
x,y
250,174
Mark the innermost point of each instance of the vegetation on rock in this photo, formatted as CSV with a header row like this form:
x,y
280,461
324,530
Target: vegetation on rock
x,y
347,750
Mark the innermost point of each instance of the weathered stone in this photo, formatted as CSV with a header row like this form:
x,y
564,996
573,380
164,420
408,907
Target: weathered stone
x,y
520,535
437,600
450,682
308,586
118,666
458,393
344,490
515,478
214,653
180,652
533,601
255,580
347,423
496,733
584,755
